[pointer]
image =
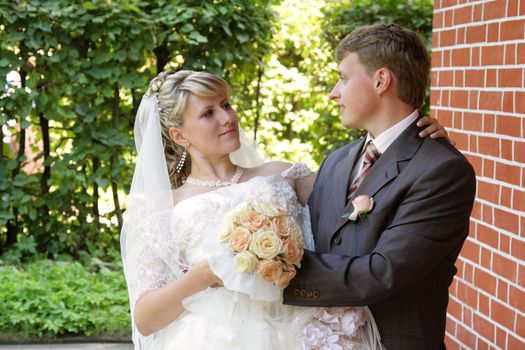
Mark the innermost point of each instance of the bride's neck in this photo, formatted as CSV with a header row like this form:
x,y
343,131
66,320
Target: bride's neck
x,y
207,169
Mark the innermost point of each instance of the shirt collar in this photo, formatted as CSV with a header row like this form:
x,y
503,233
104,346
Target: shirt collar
x,y
387,137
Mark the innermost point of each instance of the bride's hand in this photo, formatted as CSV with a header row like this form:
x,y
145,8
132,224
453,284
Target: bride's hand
x,y
433,128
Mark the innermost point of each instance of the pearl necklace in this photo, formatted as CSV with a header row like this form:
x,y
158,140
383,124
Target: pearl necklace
x,y
217,183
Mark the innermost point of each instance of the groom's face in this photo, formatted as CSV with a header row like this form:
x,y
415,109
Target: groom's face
x,y
354,93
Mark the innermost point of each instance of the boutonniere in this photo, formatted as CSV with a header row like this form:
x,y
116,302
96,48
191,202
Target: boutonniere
x,y
362,206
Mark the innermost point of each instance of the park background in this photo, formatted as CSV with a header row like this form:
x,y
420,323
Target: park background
x,y
76,70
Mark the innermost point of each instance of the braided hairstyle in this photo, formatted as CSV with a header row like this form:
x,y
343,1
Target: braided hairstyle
x,y
172,89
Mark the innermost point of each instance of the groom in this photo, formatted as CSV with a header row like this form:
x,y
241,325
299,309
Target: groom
x,y
398,258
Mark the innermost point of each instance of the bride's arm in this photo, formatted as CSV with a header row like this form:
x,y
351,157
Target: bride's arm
x,y
156,309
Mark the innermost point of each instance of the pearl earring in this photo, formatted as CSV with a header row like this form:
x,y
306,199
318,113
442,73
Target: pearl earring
x,y
182,160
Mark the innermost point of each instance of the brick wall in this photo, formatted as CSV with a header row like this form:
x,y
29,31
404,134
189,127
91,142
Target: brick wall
x,y
478,93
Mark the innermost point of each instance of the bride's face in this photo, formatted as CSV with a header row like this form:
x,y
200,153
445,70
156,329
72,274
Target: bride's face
x,y
210,126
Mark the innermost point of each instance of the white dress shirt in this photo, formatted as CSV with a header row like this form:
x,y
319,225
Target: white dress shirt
x,y
384,140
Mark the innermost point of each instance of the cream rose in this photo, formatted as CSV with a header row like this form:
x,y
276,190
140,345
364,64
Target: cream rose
x,y
293,253
254,220
286,276
266,244
270,270
225,231
281,225
240,239
245,262
266,208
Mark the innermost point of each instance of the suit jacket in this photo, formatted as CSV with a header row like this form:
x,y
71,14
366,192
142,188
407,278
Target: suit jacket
x,y
398,259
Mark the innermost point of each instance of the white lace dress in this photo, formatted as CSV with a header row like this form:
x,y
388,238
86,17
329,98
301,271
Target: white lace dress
x,y
248,312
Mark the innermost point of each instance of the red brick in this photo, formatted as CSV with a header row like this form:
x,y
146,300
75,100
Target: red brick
x,y
468,275
472,121
473,99
519,201
486,258
502,314
478,11
488,168
510,77
476,56
518,251
503,291
437,21
446,78
503,266
451,344
508,173
510,54
481,345
448,18
460,139
473,143
485,281
508,125
470,251
489,123
492,78
437,59
504,196
520,324
476,34
460,36
501,338
504,243
483,327
520,102
466,336
492,55
459,78
486,235
454,308
520,56
463,15
489,145
506,149
488,191
493,32
512,8
484,304
508,101
522,8
446,58
451,326
512,30
494,9
506,220
459,99
515,343
447,38
490,100
521,276
458,119
487,215
517,298
519,151
475,77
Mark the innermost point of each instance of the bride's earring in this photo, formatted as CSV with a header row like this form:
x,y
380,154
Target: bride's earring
x,y
182,160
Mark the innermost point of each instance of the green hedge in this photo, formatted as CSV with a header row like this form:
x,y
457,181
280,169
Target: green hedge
x,y
47,299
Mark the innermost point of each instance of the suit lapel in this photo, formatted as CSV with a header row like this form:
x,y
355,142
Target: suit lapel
x,y
386,168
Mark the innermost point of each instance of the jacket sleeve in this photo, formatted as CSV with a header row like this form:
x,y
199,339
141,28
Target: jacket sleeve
x,y
430,223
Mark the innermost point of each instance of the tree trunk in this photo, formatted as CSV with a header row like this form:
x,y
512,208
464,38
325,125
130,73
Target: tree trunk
x,y
114,187
96,212
257,102
163,56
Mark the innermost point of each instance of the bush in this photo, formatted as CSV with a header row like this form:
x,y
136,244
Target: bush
x,y
49,299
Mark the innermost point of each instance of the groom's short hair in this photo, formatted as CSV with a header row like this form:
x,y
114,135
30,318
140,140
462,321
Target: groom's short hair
x,y
399,49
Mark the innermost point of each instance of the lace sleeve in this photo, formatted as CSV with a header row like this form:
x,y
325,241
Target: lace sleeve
x,y
152,260
296,171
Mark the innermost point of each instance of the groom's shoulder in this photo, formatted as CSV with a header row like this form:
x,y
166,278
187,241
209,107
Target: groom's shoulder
x,y
444,155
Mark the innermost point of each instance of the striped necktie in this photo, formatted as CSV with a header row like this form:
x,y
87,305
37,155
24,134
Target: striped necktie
x,y
370,157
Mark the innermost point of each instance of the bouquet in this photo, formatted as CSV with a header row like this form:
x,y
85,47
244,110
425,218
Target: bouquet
x,y
265,240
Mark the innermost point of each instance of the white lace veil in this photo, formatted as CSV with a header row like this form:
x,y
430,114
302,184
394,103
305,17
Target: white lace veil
x,y
147,223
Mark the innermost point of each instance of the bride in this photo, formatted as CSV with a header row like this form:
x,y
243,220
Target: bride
x,y
192,169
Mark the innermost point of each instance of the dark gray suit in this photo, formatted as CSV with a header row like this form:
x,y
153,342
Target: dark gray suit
x,y
399,259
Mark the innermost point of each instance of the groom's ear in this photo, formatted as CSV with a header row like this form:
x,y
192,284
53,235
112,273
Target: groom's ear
x,y
178,137
383,80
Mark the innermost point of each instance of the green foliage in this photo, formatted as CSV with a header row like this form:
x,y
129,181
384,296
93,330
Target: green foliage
x,y
49,299
84,66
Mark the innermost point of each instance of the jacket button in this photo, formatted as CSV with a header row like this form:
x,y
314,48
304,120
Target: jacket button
x,y
309,294
296,292
316,294
303,292
337,239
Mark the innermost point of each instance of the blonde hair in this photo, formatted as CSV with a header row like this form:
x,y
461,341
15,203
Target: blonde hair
x,y
399,49
173,89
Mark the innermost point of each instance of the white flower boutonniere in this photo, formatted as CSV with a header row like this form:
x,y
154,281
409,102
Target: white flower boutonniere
x,y
362,206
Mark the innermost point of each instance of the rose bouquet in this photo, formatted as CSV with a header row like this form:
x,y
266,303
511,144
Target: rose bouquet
x,y
265,240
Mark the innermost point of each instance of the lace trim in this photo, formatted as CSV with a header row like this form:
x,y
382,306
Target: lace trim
x,y
296,171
